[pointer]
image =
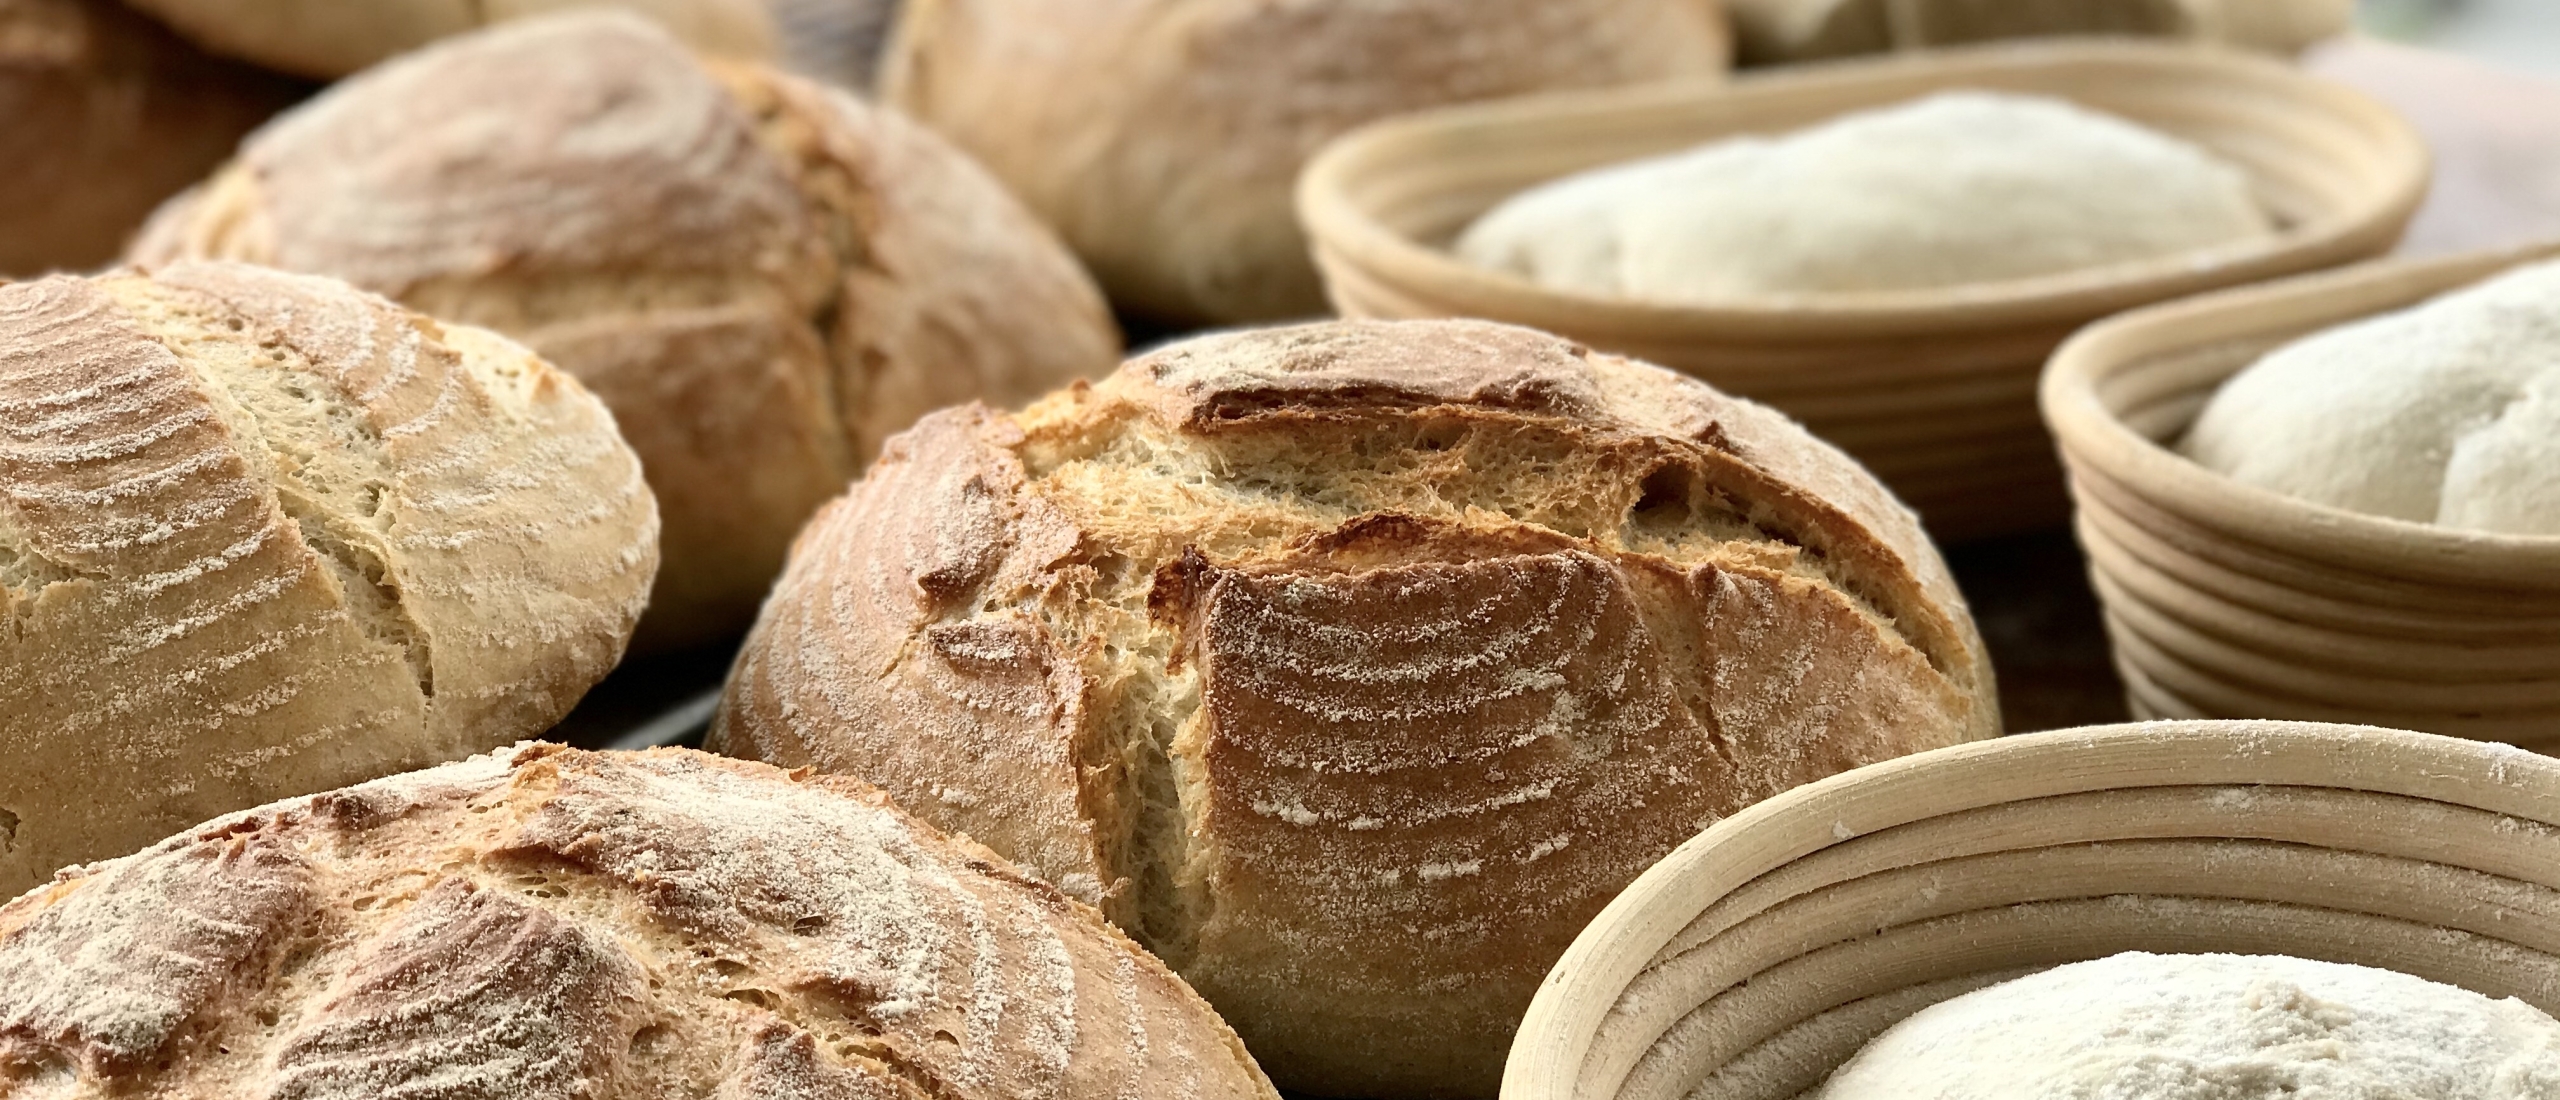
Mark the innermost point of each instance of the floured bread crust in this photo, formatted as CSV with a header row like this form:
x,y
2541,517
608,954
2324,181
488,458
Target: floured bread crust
x,y
762,277
1162,138
1352,667
263,534
548,924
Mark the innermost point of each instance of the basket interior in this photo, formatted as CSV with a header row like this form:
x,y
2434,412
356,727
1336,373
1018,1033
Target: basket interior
x,y
2311,168
1796,970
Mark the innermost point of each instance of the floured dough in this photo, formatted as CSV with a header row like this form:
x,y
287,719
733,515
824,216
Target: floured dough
x,y
2211,1027
2448,413
1961,187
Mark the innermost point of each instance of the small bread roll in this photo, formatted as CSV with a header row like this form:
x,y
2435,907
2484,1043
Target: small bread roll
x,y
1805,30
547,924
263,534
1949,190
331,38
762,277
103,114
1353,667
1163,137
2448,413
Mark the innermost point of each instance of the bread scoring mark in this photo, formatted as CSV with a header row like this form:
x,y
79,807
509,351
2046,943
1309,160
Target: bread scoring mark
x,y
111,970
1312,369
470,992
883,925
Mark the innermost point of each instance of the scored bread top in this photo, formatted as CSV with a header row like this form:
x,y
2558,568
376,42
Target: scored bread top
x,y
262,534
763,277
547,923
1354,666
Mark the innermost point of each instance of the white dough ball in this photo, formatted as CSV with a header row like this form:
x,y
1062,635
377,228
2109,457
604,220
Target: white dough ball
x,y
2448,413
1957,188
2211,1027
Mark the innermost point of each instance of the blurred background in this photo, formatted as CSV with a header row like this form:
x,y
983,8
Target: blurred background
x,y
2520,33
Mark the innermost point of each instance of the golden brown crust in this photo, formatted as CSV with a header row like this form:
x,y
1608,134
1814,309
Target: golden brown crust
x,y
1354,666
762,278
263,534
329,38
102,115
550,923
1161,137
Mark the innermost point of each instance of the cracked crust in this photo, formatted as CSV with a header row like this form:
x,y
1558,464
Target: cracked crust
x,y
761,277
331,38
262,534
1353,667
1162,137
555,924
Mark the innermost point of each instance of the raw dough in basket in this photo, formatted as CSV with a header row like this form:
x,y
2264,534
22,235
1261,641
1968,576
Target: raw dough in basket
x,y
2448,413
1957,188
2211,1027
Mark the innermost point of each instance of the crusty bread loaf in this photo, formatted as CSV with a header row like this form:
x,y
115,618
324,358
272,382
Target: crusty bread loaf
x,y
262,534
547,924
1771,31
1162,137
1353,667
331,38
763,278
102,115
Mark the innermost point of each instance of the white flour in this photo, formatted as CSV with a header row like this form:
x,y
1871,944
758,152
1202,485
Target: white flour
x,y
1957,188
2211,1027
2448,413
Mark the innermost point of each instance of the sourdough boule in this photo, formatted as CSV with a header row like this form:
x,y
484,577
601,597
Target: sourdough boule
x,y
1353,667
548,924
263,534
762,277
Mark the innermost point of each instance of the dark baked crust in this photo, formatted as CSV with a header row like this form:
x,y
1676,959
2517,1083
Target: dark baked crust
x,y
103,114
1355,666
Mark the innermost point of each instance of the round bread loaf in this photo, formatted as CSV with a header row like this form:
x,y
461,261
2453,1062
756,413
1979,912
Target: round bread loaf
x,y
763,278
1947,190
331,38
2447,413
103,114
547,924
262,534
1353,667
1163,137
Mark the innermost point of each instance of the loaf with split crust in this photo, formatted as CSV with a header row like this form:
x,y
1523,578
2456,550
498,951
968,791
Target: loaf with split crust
x,y
1353,667
549,924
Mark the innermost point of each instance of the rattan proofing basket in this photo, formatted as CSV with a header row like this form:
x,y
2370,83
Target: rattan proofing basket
x,y
2227,601
1762,954
1933,390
